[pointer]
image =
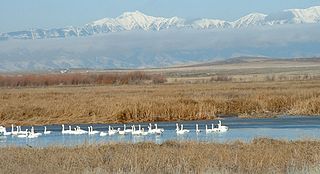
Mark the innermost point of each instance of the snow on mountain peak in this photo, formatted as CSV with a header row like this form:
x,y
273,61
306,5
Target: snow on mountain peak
x,y
251,19
308,15
210,23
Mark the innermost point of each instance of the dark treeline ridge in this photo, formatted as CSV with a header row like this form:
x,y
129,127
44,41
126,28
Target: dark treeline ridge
x,y
135,77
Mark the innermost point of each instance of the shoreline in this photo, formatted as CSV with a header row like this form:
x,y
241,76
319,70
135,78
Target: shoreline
x,y
166,121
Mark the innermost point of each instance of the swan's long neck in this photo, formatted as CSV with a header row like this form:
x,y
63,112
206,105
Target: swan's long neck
x,y
177,127
156,125
124,127
181,126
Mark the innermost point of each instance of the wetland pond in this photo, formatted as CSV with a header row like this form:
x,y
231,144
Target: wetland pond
x,y
243,129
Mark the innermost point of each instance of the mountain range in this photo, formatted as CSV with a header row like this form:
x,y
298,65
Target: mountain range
x,y
137,21
135,40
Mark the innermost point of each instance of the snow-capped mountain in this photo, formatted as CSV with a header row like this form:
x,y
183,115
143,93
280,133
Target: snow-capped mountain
x,y
253,19
134,21
129,21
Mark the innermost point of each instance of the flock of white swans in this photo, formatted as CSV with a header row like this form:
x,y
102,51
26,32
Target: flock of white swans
x,y
134,130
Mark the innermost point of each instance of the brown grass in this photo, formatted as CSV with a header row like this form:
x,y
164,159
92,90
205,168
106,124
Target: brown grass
x,y
131,103
259,156
33,80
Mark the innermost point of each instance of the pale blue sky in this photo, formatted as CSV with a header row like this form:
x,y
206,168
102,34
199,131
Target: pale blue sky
x,y
25,14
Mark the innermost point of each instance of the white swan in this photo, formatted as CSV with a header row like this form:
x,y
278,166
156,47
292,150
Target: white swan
x,y
220,128
3,131
78,131
32,134
35,133
12,130
156,130
21,132
208,130
91,131
136,132
122,132
102,134
126,130
45,131
197,129
181,130
65,131
144,132
111,131
23,135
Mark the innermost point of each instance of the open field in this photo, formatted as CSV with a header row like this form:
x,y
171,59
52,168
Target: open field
x,y
248,88
258,156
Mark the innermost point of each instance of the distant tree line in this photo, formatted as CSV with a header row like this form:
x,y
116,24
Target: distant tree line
x,y
136,77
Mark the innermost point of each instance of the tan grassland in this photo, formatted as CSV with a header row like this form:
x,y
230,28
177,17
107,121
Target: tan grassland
x,y
245,87
167,102
258,156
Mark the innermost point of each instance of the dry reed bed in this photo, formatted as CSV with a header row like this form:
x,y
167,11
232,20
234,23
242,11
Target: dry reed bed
x,y
40,80
167,102
259,156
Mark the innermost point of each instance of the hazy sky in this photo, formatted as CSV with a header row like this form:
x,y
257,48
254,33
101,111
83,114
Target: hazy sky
x,y
26,14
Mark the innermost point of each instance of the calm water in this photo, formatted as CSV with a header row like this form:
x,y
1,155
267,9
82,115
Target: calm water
x,y
288,128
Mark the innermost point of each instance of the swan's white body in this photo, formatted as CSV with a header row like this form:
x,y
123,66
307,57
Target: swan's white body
x,y
78,131
136,132
45,131
2,130
144,132
181,130
12,130
220,128
102,134
208,130
126,130
156,130
23,135
197,129
111,131
91,131
34,133
66,131
21,132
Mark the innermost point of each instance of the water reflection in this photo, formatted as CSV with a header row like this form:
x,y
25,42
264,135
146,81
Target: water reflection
x,y
288,128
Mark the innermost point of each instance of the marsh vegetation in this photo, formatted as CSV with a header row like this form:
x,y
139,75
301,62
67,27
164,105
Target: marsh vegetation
x,y
259,156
